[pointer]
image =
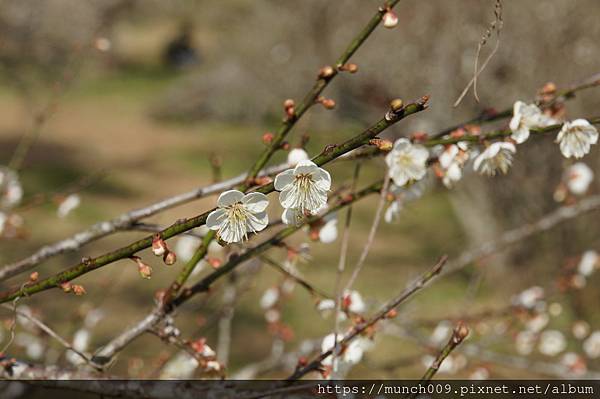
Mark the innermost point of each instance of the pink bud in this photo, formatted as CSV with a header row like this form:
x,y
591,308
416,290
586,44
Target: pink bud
x,y
169,258
78,289
159,247
390,19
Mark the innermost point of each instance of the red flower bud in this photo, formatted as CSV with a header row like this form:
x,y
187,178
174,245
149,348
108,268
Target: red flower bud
x,y
170,258
326,72
159,246
390,19
78,289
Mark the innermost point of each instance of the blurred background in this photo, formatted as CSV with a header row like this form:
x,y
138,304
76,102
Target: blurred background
x,y
128,101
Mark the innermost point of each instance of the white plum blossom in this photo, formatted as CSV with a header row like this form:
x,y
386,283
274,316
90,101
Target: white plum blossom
x,y
497,157
33,345
181,366
525,117
392,213
588,263
302,190
591,346
354,302
580,329
238,214
269,298
403,195
441,333
325,307
68,205
407,162
578,178
81,342
538,322
529,297
447,366
186,246
296,155
552,342
480,373
352,354
525,342
11,191
452,160
576,138
574,362
329,232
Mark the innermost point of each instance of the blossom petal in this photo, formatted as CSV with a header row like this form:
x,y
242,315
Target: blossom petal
x,y
305,167
287,198
229,197
215,218
255,202
283,179
322,179
291,216
258,222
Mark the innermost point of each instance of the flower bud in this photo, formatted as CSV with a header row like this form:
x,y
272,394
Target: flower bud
x,y
145,270
289,107
390,19
326,102
262,180
78,289
326,72
419,136
460,332
215,263
391,314
382,144
159,246
396,104
288,103
267,138
66,287
352,68
34,276
170,258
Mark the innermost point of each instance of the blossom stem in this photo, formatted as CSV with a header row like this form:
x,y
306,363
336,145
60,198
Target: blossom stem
x,y
204,284
314,92
381,314
498,134
183,225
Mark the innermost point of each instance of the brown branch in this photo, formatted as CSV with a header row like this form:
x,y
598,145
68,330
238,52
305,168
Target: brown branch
x,y
385,310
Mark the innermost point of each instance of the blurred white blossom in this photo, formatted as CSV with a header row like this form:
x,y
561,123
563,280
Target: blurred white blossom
x,y
578,178
11,191
552,342
68,205
269,298
329,232
296,155
591,346
588,263
181,366
354,302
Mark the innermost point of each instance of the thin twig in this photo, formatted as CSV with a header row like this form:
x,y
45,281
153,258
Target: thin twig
x,y
50,332
381,314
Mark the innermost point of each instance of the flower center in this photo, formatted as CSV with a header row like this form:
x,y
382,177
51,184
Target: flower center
x,y
237,213
404,159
